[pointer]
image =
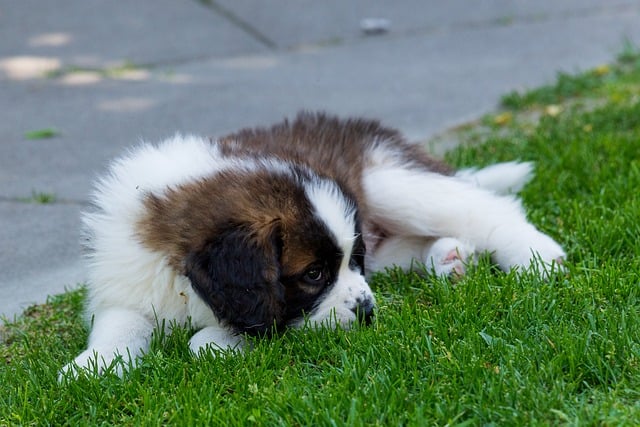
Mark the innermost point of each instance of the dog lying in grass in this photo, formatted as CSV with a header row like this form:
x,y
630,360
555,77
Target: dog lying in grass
x,y
270,228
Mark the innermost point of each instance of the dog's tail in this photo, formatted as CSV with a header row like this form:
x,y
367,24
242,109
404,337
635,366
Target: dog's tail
x,y
503,178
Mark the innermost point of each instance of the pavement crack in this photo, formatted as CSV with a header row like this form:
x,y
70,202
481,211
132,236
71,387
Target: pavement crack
x,y
240,23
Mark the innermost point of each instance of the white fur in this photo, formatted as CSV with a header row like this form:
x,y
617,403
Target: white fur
x,y
350,289
117,333
448,256
133,287
444,256
396,251
415,203
217,337
331,206
503,178
349,293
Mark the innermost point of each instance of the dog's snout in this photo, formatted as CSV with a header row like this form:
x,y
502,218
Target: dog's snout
x,y
364,310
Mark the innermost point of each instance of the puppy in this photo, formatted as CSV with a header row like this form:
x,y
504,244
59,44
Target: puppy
x,y
266,229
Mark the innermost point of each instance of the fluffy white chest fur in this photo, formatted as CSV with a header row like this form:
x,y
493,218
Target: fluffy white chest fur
x,y
270,228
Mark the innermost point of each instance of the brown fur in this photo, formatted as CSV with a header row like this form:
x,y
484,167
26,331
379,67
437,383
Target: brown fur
x,y
331,146
185,218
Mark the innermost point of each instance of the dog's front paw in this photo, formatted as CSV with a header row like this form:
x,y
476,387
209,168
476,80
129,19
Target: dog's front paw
x,y
215,338
91,362
448,257
86,362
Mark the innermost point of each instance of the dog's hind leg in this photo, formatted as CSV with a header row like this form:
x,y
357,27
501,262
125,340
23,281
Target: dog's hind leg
x,y
414,202
118,335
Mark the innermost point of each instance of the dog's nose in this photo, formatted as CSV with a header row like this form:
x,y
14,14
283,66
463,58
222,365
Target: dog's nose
x,y
364,310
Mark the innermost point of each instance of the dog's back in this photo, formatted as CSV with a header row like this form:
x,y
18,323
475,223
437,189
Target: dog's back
x,y
338,148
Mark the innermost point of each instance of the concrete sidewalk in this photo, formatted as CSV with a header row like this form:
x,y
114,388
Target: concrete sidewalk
x,y
106,74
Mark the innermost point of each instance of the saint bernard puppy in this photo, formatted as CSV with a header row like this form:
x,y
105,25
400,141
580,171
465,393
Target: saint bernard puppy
x,y
266,229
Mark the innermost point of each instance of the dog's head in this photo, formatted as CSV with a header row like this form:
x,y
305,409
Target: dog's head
x,y
290,248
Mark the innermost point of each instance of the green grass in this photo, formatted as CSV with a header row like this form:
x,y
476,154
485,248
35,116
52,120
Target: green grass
x,y
39,197
616,82
496,349
45,133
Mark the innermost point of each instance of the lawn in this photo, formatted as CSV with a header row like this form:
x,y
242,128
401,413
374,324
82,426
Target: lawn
x,y
495,348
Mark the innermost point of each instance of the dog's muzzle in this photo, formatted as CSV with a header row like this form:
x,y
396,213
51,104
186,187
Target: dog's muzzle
x,y
364,310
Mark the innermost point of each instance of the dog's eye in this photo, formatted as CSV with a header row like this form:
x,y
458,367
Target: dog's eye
x,y
314,276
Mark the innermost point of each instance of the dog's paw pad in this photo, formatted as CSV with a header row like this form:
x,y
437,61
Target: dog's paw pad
x,y
448,257
452,265
452,256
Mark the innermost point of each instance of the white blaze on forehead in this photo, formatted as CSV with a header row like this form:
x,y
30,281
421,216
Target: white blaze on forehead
x,y
350,289
336,211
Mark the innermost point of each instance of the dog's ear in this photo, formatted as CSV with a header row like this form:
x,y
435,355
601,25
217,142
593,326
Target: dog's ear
x,y
238,275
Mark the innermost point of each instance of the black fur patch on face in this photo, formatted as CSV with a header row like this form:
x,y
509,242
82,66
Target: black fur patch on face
x,y
238,277
306,287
